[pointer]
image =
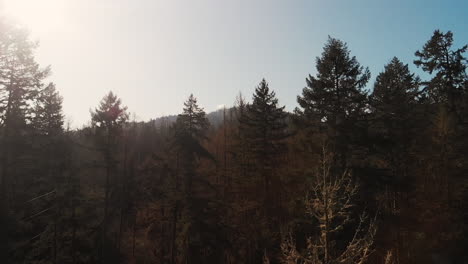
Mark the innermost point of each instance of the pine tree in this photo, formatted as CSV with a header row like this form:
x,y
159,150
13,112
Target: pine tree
x,y
395,91
110,115
49,151
199,234
394,104
395,121
192,122
263,127
446,142
449,97
191,128
108,120
20,80
266,131
48,116
437,56
337,95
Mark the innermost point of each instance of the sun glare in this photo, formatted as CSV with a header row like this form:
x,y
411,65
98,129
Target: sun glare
x,y
41,16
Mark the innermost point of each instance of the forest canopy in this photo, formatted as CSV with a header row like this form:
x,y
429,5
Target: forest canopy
x,y
359,172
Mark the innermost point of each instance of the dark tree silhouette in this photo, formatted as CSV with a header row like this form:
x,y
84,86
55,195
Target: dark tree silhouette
x,y
437,56
108,120
48,117
336,95
228,186
21,78
265,124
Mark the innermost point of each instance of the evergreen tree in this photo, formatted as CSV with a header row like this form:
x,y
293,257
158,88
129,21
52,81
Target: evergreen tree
x,y
191,128
394,104
336,96
47,122
395,92
108,120
266,130
21,78
395,121
445,144
192,122
110,115
199,233
437,56
48,116
20,81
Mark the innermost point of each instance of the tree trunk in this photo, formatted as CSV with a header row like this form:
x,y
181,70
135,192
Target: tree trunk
x,y
174,232
4,181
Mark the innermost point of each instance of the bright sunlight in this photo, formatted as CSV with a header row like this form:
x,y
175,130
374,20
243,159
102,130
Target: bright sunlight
x,y
41,16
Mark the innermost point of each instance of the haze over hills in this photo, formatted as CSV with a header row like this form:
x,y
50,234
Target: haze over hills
x,y
216,118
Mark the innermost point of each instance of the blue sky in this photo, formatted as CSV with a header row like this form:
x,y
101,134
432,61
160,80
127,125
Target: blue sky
x,y
154,53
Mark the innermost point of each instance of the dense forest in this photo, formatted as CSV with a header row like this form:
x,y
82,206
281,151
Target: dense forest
x,y
358,173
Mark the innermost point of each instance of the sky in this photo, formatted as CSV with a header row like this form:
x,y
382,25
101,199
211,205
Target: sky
x,y
155,53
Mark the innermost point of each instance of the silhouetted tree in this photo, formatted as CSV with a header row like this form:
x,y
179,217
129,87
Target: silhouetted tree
x,y
437,56
108,120
192,122
265,124
263,129
337,95
197,209
50,150
20,80
48,117
396,105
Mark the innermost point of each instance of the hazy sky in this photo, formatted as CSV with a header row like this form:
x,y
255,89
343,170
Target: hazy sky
x,y
154,53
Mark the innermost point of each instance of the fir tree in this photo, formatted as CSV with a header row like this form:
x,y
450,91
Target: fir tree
x,y
395,120
193,122
266,130
191,128
199,233
108,120
48,116
395,91
336,95
394,103
21,78
20,81
47,122
110,115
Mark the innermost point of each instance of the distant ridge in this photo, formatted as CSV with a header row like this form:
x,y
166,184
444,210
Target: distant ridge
x,y
215,118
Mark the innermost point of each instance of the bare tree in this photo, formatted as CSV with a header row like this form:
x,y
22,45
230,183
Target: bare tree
x,y
389,259
330,203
